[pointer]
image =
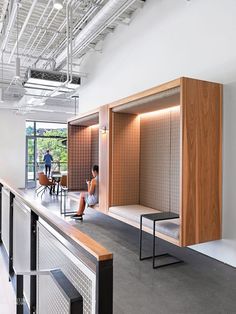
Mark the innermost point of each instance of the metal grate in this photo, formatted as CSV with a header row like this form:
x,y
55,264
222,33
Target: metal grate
x,y
53,254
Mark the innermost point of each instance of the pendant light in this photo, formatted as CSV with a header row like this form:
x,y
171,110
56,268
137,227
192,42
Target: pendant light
x,y
57,4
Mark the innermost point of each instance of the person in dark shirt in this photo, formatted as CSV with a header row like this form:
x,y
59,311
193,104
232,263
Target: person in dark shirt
x,y
48,163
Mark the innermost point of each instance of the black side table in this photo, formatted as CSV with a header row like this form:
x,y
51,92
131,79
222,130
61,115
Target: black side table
x,y
157,217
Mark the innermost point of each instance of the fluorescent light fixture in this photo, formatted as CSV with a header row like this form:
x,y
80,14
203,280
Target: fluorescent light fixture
x,y
57,4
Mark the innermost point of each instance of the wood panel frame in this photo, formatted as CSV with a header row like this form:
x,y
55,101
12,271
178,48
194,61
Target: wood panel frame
x,y
201,157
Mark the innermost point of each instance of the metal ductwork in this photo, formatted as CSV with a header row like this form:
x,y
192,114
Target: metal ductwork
x,y
42,79
110,11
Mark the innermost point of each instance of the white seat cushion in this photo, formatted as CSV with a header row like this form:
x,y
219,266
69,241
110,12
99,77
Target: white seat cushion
x,y
133,212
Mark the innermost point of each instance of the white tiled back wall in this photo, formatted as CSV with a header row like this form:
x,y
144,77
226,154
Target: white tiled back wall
x,y
160,160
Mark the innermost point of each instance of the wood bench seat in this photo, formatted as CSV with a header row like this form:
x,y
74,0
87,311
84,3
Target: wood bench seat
x,y
132,213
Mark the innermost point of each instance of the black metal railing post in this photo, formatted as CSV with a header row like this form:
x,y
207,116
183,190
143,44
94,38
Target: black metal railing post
x,y
11,270
33,262
19,294
1,186
104,287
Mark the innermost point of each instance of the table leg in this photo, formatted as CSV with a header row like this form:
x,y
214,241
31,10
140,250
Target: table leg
x,y
154,245
140,238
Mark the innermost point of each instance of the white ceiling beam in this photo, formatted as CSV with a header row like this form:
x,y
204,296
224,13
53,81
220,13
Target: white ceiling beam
x,y
9,27
23,28
3,14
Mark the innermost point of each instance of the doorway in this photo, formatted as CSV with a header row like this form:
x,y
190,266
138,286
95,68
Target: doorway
x,y
41,136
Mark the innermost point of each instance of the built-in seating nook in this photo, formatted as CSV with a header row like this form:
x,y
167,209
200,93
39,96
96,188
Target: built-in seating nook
x,y
161,153
145,167
83,150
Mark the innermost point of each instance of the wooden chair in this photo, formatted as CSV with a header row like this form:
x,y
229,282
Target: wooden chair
x,y
45,184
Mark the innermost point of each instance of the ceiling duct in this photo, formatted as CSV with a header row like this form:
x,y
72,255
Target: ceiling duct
x,y
49,80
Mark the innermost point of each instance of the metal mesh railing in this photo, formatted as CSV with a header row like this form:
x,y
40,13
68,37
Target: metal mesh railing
x,y
53,254
55,273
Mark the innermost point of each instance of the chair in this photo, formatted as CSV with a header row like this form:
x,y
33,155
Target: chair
x,y
64,190
45,184
38,174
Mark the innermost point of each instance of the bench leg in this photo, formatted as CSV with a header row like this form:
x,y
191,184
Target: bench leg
x,y
162,257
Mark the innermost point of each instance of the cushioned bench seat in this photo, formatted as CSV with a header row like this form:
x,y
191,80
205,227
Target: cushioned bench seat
x,y
133,212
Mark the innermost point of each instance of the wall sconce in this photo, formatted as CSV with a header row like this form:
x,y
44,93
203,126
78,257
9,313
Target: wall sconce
x,y
104,129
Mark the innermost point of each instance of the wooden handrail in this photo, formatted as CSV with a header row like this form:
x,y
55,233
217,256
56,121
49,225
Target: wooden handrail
x,y
72,234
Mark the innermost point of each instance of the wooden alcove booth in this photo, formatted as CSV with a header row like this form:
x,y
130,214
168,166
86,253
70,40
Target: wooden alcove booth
x,y
162,151
83,149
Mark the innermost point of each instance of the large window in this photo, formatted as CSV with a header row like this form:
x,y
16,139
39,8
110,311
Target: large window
x,y
41,136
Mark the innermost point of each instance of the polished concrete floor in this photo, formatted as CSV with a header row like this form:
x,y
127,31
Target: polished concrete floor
x,y
198,285
7,294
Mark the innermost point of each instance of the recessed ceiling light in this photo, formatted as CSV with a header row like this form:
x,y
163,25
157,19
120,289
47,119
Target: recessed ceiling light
x,y
57,4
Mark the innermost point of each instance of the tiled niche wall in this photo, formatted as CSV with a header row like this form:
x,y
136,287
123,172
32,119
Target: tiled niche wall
x,y
160,160
94,145
82,154
125,159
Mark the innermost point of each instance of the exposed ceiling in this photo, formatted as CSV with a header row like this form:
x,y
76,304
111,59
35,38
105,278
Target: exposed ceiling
x,y
37,33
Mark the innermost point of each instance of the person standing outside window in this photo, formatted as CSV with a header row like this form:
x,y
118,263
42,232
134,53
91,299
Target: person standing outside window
x,y
48,163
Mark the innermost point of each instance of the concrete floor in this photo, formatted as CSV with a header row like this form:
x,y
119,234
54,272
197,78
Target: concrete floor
x,y
198,285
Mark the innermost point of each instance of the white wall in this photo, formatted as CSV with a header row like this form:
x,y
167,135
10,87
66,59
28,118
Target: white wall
x,y
12,148
12,143
168,39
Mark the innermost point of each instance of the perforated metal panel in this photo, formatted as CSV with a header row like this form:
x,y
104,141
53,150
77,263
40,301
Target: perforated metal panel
x,y
21,243
53,254
160,160
52,300
5,218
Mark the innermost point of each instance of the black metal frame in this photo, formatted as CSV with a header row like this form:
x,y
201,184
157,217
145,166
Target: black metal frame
x,y
63,210
1,213
10,269
33,262
104,285
20,294
69,291
174,259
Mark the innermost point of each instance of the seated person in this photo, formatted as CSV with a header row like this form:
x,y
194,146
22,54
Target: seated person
x,y
91,197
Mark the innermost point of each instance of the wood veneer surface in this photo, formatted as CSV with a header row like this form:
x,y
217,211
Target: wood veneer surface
x,y
201,162
125,159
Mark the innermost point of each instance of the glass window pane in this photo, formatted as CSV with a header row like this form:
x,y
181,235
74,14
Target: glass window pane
x,y
29,128
58,151
51,129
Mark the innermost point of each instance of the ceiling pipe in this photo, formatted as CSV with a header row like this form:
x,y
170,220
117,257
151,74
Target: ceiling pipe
x,y
22,29
87,15
103,27
38,34
110,9
54,37
3,14
38,23
68,48
57,12
9,27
